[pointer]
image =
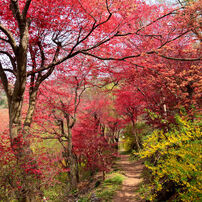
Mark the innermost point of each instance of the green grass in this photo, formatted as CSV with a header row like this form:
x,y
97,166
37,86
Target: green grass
x,y
125,152
85,199
53,194
109,187
116,180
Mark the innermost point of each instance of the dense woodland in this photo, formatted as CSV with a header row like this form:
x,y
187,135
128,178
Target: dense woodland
x,y
80,78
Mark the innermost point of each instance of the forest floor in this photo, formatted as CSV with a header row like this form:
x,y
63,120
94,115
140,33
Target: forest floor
x,y
131,172
133,178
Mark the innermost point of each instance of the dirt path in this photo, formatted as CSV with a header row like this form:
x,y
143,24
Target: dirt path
x,y
132,172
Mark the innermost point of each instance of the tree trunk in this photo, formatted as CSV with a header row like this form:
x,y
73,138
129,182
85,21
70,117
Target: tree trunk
x,y
15,93
19,134
72,163
136,137
77,170
73,172
21,146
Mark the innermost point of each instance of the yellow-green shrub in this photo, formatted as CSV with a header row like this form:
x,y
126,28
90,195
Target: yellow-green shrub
x,y
175,157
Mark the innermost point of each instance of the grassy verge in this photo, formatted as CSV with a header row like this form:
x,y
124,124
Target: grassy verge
x,y
125,152
107,189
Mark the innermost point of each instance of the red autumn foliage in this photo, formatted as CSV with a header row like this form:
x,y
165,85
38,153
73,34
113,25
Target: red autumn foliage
x,y
91,141
154,50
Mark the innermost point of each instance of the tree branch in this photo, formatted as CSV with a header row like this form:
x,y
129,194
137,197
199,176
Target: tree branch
x,y
161,17
5,40
177,37
26,8
14,6
11,59
4,79
179,59
10,70
11,39
110,58
43,58
92,29
141,28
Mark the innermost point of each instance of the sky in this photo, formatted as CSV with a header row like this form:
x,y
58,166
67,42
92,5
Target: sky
x,y
162,1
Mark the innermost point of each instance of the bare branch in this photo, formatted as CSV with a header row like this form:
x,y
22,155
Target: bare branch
x,y
80,41
26,8
93,28
43,58
11,39
57,52
114,82
178,59
138,55
11,59
14,6
87,12
177,37
5,40
180,2
98,44
110,58
10,70
78,99
50,70
143,27
161,17
107,6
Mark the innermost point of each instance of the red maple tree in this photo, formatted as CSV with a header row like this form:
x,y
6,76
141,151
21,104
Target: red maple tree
x,y
38,36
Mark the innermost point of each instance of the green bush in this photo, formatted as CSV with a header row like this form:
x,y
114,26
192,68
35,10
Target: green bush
x,y
174,159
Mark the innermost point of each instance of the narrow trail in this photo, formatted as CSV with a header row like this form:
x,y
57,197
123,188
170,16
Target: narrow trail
x,y
133,178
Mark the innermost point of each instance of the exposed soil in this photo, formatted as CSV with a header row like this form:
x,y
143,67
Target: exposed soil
x,y
133,178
